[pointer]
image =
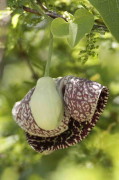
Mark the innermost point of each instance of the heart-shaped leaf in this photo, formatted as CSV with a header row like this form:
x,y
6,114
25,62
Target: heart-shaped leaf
x,y
109,10
81,12
81,25
59,27
75,30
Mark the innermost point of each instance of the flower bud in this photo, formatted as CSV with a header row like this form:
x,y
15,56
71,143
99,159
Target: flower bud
x,y
46,104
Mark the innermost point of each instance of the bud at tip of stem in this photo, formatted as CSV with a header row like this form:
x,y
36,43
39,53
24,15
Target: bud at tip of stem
x,y
46,104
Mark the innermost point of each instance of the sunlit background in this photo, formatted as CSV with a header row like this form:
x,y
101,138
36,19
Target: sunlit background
x,y
96,57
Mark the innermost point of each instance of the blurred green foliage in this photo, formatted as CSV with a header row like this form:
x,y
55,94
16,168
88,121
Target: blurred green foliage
x,y
96,57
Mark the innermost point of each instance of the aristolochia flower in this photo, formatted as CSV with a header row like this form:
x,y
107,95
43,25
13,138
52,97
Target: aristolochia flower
x,y
60,112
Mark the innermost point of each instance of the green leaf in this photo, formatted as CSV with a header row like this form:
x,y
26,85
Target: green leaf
x,y
82,24
74,31
59,27
109,10
81,12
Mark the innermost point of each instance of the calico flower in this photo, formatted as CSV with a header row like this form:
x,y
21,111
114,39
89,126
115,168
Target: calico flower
x,y
60,112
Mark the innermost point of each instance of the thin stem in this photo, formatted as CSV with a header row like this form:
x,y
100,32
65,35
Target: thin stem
x,y
38,8
34,75
48,13
27,9
47,68
41,5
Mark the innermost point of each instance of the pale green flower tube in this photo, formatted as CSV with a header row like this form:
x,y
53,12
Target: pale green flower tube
x,y
46,104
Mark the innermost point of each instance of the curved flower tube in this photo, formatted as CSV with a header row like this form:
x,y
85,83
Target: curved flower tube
x,y
83,101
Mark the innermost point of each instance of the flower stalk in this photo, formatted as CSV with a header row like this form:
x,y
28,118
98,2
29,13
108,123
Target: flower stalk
x,y
47,68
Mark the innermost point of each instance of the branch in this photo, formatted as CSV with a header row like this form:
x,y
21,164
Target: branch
x,y
27,9
100,27
5,18
47,12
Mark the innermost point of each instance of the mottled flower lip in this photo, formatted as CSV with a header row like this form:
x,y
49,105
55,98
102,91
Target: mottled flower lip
x,y
84,101
75,133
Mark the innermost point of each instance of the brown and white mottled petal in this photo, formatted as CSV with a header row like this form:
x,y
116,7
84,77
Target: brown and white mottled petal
x,y
75,133
84,101
81,97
